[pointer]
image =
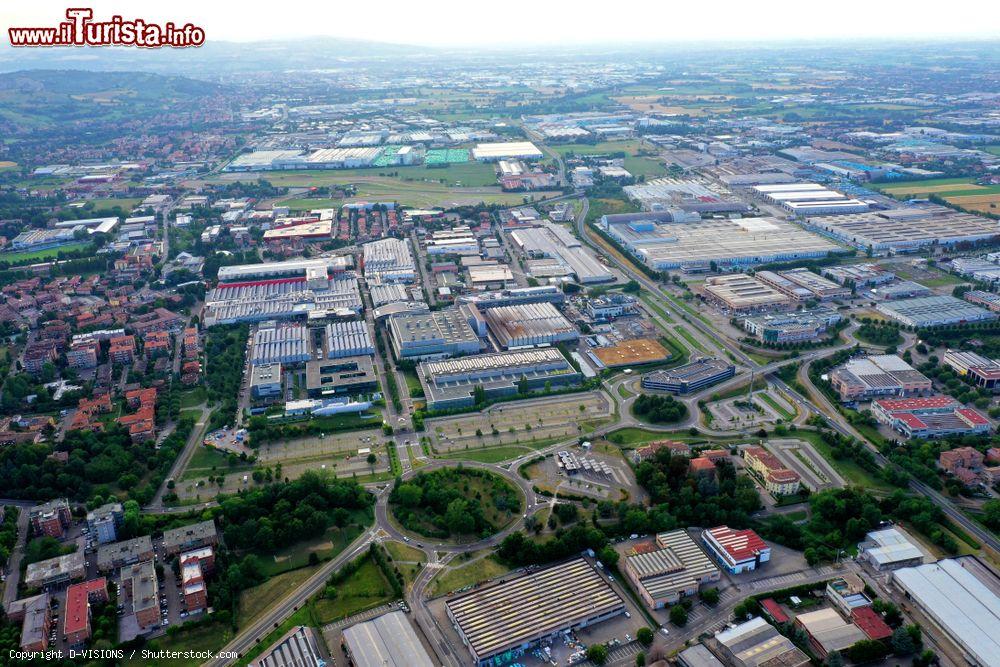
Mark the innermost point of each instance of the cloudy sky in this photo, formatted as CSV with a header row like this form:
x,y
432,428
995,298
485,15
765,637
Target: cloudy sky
x,y
469,23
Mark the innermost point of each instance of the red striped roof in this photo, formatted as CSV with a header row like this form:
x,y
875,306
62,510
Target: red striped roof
x,y
739,544
919,403
774,611
870,623
972,417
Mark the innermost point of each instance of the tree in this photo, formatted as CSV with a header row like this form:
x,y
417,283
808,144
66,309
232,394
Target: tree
x,y
478,394
409,495
902,643
372,459
640,659
458,519
991,514
834,659
597,654
644,636
867,650
678,615
522,385
710,596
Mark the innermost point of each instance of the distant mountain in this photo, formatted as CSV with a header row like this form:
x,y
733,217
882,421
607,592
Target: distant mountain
x,y
212,59
37,99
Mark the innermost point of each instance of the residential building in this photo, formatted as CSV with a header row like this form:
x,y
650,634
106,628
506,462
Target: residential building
x,y
777,479
105,521
56,571
118,554
190,537
139,583
51,518
77,614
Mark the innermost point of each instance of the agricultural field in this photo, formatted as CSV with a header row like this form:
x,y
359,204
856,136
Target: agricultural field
x,y
981,203
961,192
530,424
7,165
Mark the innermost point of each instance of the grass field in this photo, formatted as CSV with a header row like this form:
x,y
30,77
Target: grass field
x,y
785,414
689,337
257,600
7,165
204,637
637,436
310,204
848,469
469,174
41,255
364,589
495,454
467,574
193,397
125,203
404,552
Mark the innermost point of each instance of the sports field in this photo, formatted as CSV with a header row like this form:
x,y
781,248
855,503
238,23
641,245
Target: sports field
x,y
637,351
41,255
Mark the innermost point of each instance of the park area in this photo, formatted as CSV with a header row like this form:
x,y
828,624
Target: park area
x,y
518,427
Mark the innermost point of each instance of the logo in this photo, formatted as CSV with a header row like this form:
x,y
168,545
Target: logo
x,y
81,30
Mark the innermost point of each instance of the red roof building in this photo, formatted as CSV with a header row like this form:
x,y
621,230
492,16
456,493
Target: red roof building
x,y
702,466
76,623
736,550
774,610
871,623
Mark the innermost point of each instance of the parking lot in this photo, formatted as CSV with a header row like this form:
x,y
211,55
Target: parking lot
x,y
800,456
548,475
527,423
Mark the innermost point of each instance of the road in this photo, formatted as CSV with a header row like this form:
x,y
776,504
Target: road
x,y
16,554
180,463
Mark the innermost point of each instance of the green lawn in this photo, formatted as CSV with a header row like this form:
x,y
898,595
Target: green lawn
x,y
203,637
327,546
404,552
467,574
125,203
208,461
40,255
995,149
848,469
303,616
493,454
191,398
689,337
364,589
636,436
656,306
785,414
256,601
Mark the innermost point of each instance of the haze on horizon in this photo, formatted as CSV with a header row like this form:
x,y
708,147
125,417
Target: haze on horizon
x,y
455,23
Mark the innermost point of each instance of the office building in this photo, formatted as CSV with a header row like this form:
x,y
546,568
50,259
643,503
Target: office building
x,y
691,377
741,294
386,641
345,376
959,597
529,325
432,335
348,339
451,383
792,327
803,285
265,381
675,569
540,605
864,378
934,311
736,550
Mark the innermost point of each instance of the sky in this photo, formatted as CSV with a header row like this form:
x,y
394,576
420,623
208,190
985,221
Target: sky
x,y
465,23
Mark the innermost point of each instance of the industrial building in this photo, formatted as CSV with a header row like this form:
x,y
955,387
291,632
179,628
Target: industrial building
x,y
889,549
519,613
386,641
388,260
285,344
507,150
929,417
905,229
511,297
859,275
739,294
431,335
323,158
982,372
554,252
529,325
689,195
698,374
802,285
959,596
808,199
317,230
988,300
388,293
878,375
348,339
282,299
736,550
677,568
313,271
450,383
793,327
342,376
828,631
934,311
299,647
756,643
662,244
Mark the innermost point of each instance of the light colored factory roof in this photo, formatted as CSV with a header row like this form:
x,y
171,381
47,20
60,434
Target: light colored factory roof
x,y
298,648
538,604
506,149
922,226
286,343
386,641
553,241
527,323
892,547
678,564
959,602
347,338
